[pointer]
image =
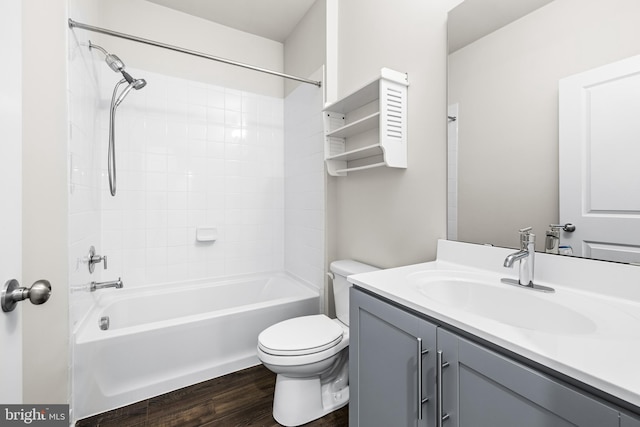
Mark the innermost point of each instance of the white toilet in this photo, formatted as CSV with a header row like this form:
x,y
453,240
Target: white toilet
x,y
310,354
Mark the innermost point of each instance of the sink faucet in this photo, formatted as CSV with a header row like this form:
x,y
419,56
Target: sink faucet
x,y
526,257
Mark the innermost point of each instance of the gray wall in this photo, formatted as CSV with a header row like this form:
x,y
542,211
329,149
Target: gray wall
x,y
391,217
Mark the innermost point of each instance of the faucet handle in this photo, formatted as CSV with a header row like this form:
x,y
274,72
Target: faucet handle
x,y
526,237
94,259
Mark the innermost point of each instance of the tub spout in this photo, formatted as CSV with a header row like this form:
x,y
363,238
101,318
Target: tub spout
x,y
103,285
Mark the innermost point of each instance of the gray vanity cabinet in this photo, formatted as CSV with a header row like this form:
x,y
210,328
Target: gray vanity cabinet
x,y
494,391
479,387
391,354
627,421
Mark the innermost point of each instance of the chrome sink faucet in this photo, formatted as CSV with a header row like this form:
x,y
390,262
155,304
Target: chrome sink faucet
x,y
526,256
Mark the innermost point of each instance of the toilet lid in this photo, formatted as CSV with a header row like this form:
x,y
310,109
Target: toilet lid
x,y
300,335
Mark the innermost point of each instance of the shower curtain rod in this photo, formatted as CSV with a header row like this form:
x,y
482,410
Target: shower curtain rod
x,y
75,24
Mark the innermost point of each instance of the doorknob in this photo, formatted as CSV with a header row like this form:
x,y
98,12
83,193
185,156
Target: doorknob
x,y
12,293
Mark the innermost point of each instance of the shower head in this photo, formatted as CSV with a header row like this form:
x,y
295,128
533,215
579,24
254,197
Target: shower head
x,y
139,84
114,63
136,84
112,60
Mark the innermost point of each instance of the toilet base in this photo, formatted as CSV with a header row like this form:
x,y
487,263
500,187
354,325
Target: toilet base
x,y
297,401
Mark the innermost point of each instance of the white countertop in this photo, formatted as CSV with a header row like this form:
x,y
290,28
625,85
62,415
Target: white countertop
x,y
601,350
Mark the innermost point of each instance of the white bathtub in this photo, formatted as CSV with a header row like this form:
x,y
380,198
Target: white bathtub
x,y
165,337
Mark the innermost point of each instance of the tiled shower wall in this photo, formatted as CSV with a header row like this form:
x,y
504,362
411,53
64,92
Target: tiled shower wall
x,y
192,155
189,155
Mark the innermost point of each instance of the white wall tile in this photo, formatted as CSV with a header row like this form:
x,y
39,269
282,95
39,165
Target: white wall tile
x,y
190,155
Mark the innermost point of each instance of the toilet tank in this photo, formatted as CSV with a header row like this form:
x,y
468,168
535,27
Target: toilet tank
x,y
341,269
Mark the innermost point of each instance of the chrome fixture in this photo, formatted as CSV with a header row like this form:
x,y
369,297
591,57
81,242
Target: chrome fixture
x,y
12,293
112,61
111,162
552,241
440,365
94,259
104,323
526,257
74,24
94,286
116,65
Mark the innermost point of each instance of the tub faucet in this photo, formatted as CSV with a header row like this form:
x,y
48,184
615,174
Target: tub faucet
x,y
526,257
94,286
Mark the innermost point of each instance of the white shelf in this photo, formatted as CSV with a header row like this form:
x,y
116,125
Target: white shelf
x,y
346,130
366,123
359,153
366,94
359,168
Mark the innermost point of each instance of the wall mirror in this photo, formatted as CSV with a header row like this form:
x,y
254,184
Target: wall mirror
x,y
506,141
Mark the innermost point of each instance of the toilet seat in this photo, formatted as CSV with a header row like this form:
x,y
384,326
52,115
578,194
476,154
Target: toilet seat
x,y
301,336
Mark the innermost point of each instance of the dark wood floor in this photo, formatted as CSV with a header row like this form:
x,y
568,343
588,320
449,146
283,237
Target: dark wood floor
x,y
243,398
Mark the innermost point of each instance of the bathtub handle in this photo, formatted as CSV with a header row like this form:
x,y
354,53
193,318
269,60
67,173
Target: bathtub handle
x,y
94,259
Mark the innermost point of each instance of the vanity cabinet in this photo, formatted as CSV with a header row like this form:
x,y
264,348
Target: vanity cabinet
x,y
627,421
488,389
477,387
391,365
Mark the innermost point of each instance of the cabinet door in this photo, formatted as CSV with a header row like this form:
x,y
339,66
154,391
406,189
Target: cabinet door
x,y
627,421
386,346
498,392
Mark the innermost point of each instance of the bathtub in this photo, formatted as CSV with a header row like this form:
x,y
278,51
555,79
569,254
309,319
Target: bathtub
x,y
165,337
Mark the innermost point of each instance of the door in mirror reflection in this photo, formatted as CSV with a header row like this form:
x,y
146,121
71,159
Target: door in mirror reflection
x,y
599,124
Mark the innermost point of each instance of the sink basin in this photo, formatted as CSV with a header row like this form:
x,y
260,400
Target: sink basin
x,y
486,296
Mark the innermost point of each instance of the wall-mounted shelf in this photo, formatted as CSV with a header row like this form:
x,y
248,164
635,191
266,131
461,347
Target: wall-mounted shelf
x,y
368,128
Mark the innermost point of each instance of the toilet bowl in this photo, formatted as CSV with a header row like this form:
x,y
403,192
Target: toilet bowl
x,y
310,356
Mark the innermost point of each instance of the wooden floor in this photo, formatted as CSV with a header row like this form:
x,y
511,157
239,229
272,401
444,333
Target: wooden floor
x,y
243,398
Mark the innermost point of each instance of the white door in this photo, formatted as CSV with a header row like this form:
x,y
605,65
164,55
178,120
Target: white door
x,y
600,161
10,195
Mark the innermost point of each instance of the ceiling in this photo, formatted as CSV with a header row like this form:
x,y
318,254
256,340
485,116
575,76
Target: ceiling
x,y
474,19
272,19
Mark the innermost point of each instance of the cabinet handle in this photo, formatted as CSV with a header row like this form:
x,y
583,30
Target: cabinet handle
x,y
421,400
440,417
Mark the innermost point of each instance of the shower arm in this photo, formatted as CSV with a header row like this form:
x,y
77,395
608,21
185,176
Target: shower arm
x,y
100,48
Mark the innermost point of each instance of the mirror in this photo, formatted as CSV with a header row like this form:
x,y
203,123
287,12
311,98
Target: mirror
x,y
506,60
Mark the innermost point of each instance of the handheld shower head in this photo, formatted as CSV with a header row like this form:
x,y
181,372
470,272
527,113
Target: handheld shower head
x,y
116,65
136,84
116,100
139,84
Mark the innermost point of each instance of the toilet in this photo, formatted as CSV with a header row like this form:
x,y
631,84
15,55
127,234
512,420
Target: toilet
x,y
310,355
